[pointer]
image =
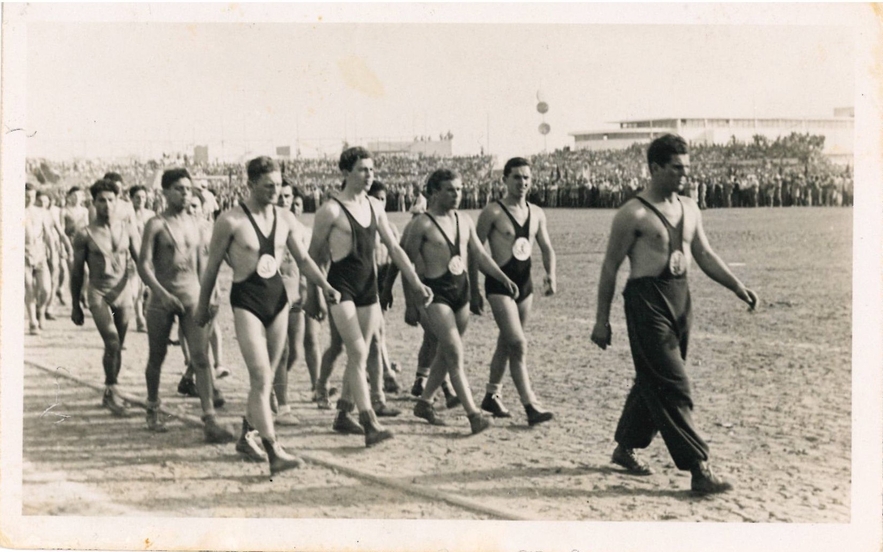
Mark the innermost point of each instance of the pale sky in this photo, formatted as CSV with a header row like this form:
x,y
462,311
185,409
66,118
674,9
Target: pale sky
x,y
105,89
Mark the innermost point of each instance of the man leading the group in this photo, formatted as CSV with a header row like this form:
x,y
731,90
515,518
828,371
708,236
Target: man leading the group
x,y
252,237
659,232
510,226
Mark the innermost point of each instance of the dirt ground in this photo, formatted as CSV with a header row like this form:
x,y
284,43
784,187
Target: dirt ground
x,y
771,389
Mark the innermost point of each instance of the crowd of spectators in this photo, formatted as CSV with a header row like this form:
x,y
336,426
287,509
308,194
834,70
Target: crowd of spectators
x,y
789,171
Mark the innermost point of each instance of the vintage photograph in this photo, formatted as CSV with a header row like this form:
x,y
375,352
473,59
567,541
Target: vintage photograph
x,y
319,277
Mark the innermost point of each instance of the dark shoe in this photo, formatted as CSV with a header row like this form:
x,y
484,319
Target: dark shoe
x,y
346,424
61,300
478,422
216,433
283,461
494,405
113,403
417,388
705,481
141,327
384,410
248,444
218,399
155,421
322,399
451,398
391,384
187,387
374,432
426,411
535,416
49,316
629,460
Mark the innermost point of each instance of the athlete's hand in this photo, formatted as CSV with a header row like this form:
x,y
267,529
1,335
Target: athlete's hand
x,y
202,316
77,314
385,299
512,287
476,303
172,303
748,296
332,296
412,314
550,286
425,295
602,335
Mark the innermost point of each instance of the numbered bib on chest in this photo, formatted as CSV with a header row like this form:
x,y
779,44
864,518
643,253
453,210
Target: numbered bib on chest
x,y
267,266
521,249
455,265
677,263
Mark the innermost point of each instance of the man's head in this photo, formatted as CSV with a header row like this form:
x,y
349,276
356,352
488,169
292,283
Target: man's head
x,y
378,190
194,204
669,162
114,177
357,167
177,187
444,189
138,195
43,199
104,197
264,179
516,176
291,197
75,196
30,194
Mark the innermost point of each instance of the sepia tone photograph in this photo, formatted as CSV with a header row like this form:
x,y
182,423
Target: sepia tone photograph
x,y
357,276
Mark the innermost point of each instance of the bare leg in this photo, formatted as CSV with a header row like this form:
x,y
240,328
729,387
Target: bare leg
x,y
512,342
311,348
448,328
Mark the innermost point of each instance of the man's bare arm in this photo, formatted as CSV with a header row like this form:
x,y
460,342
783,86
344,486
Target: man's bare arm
x,y
549,258
222,235
622,236
715,267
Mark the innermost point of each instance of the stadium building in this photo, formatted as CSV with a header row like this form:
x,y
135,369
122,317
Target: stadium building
x,y
838,131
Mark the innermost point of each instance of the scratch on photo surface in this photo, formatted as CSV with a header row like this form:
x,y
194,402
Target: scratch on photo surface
x,y
62,417
11,130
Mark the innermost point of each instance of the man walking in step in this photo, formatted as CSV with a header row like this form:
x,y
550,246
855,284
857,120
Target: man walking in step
x,y
510,226
252,237
660,231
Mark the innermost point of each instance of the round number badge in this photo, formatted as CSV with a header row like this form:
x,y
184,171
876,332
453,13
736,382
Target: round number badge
x,y
677,263
521,249
455,265
266,266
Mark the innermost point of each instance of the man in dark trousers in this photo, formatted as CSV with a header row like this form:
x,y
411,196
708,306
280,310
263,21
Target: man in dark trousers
x,y
660,231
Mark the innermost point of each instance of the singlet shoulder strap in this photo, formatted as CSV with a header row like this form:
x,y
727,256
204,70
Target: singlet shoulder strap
x,y
451,244
657,213
515,222
255,224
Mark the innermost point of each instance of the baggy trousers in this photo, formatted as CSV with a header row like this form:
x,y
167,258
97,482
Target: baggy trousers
x,y
658,316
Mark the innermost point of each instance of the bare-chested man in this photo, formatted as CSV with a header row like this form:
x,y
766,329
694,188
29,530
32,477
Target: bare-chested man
x,y
39,246
441,241
171,260
344,233
140,215
74,216
660,231
510,226
107,244
58,255
252,237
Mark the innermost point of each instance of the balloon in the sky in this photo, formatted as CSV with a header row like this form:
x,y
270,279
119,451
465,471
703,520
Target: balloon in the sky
x,y
543,107
544,128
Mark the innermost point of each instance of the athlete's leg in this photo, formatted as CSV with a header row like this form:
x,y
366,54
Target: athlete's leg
x,y
104,321
197,338
159,327
509,317
335,348
185,348
311,349
352,324
41,285
254,345
217,349
448,327
31,298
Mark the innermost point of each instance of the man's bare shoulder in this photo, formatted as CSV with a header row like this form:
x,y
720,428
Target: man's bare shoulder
x,y
631,212
329,209
492,209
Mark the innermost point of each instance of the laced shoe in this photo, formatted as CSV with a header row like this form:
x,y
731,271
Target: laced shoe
x,y
286,418
187,387
391,384
218,399
426,411
247,444
346,424
705,481
113,403
374,432
536,416
494,405
155,421
216,433
417,388
628,459
478,422
283,461
323,401
451,398
382,409
49,316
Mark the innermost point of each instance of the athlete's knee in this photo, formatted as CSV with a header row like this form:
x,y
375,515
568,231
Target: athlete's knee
x,y
516,346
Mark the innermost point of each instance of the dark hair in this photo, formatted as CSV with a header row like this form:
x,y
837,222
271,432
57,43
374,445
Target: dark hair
x,y
73,190
350,156
434,182
135,189
197,193
104,185
113,177
259,166
662,148
297,193
29,187
514,163
41,193
376,187
171,176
